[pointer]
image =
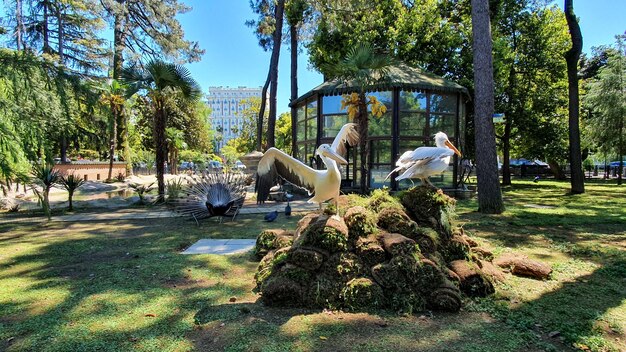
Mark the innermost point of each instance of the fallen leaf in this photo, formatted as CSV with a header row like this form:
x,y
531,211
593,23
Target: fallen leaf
x,y
232,299
151,315
324,338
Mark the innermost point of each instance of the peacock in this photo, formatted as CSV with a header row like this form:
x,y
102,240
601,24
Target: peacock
x,y
212,194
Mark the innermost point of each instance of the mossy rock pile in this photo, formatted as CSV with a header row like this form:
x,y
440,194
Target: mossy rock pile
x,y
384,252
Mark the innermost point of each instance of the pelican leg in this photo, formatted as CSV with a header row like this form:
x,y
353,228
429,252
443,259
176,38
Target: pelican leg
x,y
321,211
429,183
412,183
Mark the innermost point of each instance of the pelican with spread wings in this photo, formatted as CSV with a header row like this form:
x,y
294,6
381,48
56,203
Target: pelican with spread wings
x,y
424,162
325,184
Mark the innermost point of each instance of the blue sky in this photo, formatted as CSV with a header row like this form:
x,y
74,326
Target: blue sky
x,y
233,57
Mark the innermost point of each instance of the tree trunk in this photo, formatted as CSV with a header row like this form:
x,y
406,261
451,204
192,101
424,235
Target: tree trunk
x,y
126,144
571,57
276,41
46,38
362,126
119,36
259,126
160,147
489,194
113,141
19,28
294,75
70,195
556,170
508,123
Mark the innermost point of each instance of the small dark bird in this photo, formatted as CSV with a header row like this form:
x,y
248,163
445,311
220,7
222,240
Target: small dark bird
x,y
536,179
269,217
288,209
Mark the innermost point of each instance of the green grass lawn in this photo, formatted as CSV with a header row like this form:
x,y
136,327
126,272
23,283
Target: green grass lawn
x,y
122,286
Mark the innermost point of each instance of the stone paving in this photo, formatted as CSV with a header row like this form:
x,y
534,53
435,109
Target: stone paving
x,y
223,247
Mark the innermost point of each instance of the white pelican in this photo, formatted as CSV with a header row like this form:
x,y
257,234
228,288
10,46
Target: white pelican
x,y
424,162
324,183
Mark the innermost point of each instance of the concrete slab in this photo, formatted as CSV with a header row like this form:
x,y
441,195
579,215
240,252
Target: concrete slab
x,y
220,246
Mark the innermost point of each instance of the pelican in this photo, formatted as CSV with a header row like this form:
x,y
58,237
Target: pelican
x,y
424,162
323,183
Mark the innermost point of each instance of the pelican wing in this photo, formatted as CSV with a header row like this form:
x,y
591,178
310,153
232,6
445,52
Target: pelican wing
x,y
277,164
347,133
425,153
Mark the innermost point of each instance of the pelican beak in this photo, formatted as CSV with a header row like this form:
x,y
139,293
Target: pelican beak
x,y
338,158
451,146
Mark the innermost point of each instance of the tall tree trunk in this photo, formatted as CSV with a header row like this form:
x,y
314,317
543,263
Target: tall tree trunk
x,y
506,153
571,57
126,145
113,142
294,74
19,28
362,126
45,26
259,126
489,193
160,121
276,41
508,123
119,36
60,11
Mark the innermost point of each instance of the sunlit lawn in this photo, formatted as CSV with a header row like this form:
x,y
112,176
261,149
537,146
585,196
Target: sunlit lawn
x,y
123,285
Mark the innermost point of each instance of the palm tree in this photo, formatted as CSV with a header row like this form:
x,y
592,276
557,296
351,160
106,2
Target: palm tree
x,y
161,80
361,68
113,96
71,183
46,177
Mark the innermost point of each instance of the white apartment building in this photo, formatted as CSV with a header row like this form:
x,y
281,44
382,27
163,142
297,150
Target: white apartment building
x,y
226,105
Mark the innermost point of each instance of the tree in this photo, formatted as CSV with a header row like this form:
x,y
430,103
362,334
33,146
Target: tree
x,y
46,177
571,58
296,10
71,183
269,24
362,68
607,98
489,195
113,93
160,80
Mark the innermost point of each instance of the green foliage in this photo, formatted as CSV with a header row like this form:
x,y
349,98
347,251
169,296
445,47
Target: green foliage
x,y
71,183
174,188
606,98
141,191
46,177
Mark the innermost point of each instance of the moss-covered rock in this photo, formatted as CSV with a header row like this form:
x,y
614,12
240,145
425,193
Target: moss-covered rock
x,y
269,240
271,262
456,248
370,250
360,222
427,239
473,282
282,291
396,221
381,199
362,294
396,244
446,297
430,207
328,233
381,254
306,258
